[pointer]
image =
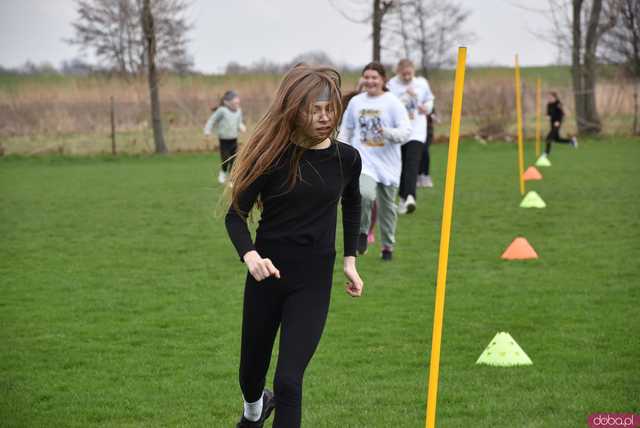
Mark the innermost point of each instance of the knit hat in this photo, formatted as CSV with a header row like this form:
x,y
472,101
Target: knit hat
x,y
229,95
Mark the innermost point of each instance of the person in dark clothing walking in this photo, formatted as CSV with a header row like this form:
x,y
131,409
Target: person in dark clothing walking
x,y
556,114
424,177
297,174
415,94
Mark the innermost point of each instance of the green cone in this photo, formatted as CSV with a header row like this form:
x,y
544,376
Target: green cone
x,y
532,200
543,161
503,351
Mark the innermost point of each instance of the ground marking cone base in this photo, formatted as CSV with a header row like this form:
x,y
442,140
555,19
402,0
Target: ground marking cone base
x,y
519,249
504,351
543,161
532,200
532,173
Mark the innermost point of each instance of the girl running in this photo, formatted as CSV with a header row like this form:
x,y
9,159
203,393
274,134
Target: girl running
x,y
296,173
415,94
376,123
556,114
228,120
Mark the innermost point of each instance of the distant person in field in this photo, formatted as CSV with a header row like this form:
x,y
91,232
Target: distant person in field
x,y
377,124
415,94
424,173
296,173
556,114
227,119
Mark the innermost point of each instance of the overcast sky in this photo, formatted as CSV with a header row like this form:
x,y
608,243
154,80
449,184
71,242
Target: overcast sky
x,y
248,30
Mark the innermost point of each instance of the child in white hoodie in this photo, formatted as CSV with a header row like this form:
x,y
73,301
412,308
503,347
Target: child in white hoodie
x,y
416,95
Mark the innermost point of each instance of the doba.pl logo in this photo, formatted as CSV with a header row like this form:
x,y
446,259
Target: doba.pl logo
x,y
614,420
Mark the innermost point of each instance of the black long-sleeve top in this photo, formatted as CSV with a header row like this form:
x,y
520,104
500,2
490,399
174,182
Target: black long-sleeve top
x,y
303,219
555,112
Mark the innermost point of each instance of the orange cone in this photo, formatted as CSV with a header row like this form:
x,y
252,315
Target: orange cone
x,y
532,173
520,249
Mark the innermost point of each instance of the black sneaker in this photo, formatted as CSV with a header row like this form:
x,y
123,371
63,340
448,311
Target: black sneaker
x,y
362,244
268,404
387,255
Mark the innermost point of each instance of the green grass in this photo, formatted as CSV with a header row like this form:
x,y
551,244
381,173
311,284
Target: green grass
x,y
121,298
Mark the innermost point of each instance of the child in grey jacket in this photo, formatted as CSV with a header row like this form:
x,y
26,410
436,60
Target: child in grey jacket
x,y
227,119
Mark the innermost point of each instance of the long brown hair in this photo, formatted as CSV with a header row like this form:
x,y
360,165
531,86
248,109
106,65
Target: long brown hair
x,y
285,122
376,66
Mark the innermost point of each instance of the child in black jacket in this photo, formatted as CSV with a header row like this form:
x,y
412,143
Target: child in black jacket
x,y
556,114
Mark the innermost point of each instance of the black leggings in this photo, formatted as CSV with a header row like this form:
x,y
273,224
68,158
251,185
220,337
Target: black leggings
x,y
298,304
554,136
411,154
228,148
425,161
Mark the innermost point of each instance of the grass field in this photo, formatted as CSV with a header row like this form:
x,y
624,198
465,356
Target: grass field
x,y
121,298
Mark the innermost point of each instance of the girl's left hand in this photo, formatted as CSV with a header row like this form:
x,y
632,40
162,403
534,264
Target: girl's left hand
x,y
354,283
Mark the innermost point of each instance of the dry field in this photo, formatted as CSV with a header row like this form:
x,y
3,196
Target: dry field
x,y
71,115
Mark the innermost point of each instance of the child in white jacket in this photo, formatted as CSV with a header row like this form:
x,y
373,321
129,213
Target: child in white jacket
x,y
377,124
227,119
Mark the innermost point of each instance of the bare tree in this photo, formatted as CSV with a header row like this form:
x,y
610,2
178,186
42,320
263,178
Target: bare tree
x,y
578,27
111,30
621,46
368,12
149,31
380,9
428,31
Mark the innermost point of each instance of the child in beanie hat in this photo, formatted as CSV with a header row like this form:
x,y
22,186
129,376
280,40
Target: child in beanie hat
x,y
227,120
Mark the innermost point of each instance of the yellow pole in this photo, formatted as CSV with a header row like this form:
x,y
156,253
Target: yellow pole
x,y
519,114
538,117
445,234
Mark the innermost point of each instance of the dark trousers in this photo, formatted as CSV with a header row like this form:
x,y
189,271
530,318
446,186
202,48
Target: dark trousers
x,y
228,149
554,137
425,161
411,154
298,304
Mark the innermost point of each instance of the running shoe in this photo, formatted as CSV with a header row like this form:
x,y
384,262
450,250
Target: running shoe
x,y
268,404
402,206
410,204
362,244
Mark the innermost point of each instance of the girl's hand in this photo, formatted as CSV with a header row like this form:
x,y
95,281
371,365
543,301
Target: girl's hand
x,y
354,283
258,267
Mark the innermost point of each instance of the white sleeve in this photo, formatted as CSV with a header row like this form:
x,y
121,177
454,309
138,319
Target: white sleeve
x,y
428,98
401,130
241,126
348,126
213,119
